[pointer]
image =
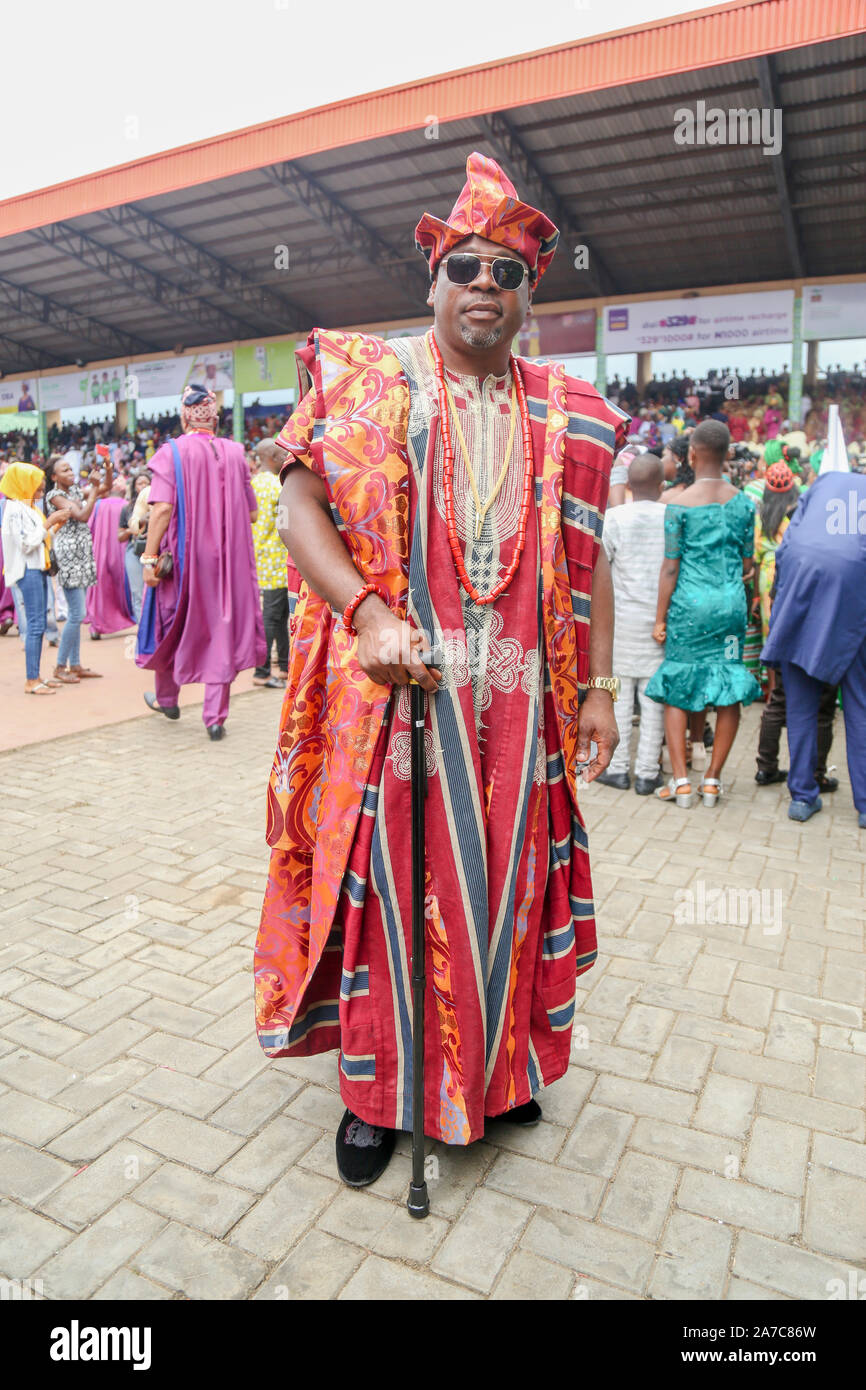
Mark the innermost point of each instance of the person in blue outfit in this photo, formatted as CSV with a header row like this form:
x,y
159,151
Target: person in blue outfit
x,y
818,629
701,612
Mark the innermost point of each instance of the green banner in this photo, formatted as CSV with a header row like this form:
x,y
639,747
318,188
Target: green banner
x,y
265,366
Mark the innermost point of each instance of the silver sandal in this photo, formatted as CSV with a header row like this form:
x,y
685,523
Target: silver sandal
x,y
670,792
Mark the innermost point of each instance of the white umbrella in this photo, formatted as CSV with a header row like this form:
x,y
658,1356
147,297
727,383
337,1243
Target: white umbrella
x,y
835,458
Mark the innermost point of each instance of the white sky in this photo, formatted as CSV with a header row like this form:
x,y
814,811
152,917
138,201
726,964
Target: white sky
x,y
103,83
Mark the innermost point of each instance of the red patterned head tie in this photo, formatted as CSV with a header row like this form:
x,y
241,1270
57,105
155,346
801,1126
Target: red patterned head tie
x,y
198,408
489,207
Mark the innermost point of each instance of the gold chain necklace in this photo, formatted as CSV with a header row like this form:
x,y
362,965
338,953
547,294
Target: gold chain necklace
x,y
481,508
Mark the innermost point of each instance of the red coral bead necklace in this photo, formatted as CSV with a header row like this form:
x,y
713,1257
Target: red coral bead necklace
x,y
448,477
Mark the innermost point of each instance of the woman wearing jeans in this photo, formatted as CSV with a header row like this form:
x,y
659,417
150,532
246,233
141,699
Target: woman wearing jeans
x,y
74,551
25,558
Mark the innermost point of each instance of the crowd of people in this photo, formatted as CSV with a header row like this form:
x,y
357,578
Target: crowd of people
x,y
75,532
695,535
754,408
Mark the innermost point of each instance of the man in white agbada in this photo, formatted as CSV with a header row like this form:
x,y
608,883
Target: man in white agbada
x,y
634,542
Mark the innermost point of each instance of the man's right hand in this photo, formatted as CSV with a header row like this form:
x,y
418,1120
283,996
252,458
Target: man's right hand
x,y
389,649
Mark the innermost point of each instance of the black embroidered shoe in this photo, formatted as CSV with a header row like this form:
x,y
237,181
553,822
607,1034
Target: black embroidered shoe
x,y
525,1115
363,1151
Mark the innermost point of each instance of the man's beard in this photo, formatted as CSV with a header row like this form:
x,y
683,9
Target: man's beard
x,y
481,337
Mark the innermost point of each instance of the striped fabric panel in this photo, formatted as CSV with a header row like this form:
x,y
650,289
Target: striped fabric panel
x,y
558,942
355,983
560,1018
359,1066
323,1015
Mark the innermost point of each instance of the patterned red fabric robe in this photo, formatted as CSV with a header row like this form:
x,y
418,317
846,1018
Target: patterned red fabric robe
x,y
509,897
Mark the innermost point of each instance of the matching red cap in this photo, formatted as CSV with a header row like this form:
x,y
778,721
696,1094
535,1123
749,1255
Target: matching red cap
x,y
489,207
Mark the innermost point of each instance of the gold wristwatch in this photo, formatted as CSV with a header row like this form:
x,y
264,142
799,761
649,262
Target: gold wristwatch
x,y
608,683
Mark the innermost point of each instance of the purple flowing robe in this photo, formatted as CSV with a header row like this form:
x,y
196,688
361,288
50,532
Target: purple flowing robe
x,y
7,605
108,607
208,614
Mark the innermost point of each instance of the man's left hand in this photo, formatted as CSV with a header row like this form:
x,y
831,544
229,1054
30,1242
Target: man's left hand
x,y
596,724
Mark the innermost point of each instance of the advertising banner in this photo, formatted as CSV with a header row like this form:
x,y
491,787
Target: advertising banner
x,y
557,335
834,311
102,386
265,366
18,396
721,320
169,375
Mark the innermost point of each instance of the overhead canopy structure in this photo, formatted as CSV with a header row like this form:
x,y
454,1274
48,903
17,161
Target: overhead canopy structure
x,y
309,220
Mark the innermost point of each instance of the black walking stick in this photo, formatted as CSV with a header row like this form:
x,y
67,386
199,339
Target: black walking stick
x,y
418,1201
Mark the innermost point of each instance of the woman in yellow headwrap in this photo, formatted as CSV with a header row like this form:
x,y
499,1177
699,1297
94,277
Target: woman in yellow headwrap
x,y
26,544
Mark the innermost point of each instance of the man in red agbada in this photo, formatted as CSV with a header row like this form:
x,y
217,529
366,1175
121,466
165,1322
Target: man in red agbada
x,y
440,493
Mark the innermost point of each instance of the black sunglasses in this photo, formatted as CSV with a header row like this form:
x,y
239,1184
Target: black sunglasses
x,y
462,267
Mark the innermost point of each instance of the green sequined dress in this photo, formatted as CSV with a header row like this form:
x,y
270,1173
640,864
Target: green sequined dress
x,y
706,624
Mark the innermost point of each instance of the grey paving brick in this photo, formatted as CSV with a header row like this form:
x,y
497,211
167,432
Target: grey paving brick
x,y
777,1156
184,1054
33,1121
739,1204
198,1267
194,1200
478,1246
590,1248
642,1098
26,1240
91,1091
839,1154
843,1120
644,1028
385,1279
835,1217
726,1106
28,1174
790,1076
271,1153
96,1186
824,1010
126,1287
174,1089
240,1065
526,1277
318,1267
88,1260
682,1063
685,1146
43,1035
839,1076
597,1140
316,1105
413,1241
356,1216
283,1215
546,1184
787,1269
91,1137
35,1075
693,1260
640,1195
106,1046
621,1061
187,1140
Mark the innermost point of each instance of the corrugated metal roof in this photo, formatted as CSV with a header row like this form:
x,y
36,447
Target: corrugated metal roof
x,y
660,216
741,29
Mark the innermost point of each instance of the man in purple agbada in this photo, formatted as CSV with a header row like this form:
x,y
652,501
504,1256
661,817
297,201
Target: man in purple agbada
x,y
203,621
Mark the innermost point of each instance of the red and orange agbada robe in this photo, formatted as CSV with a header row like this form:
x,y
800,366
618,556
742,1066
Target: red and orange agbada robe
x,y
509,898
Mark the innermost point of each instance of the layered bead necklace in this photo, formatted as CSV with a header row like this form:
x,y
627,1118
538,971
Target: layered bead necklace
x,y
446,406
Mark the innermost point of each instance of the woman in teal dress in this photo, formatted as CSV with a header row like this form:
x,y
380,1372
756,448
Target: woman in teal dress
x,y
701,612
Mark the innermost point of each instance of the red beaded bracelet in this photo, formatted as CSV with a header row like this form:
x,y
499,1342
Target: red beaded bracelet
x,y
355,603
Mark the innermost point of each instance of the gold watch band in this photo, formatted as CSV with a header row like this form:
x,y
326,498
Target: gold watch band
x,y
608,683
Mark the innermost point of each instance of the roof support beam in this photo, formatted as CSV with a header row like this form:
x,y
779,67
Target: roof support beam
x,y
103,336
770,98
140,281
337,217
24,357
280,313
537,187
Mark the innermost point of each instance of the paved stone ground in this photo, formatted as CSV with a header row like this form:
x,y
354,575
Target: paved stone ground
x,y
707,1142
